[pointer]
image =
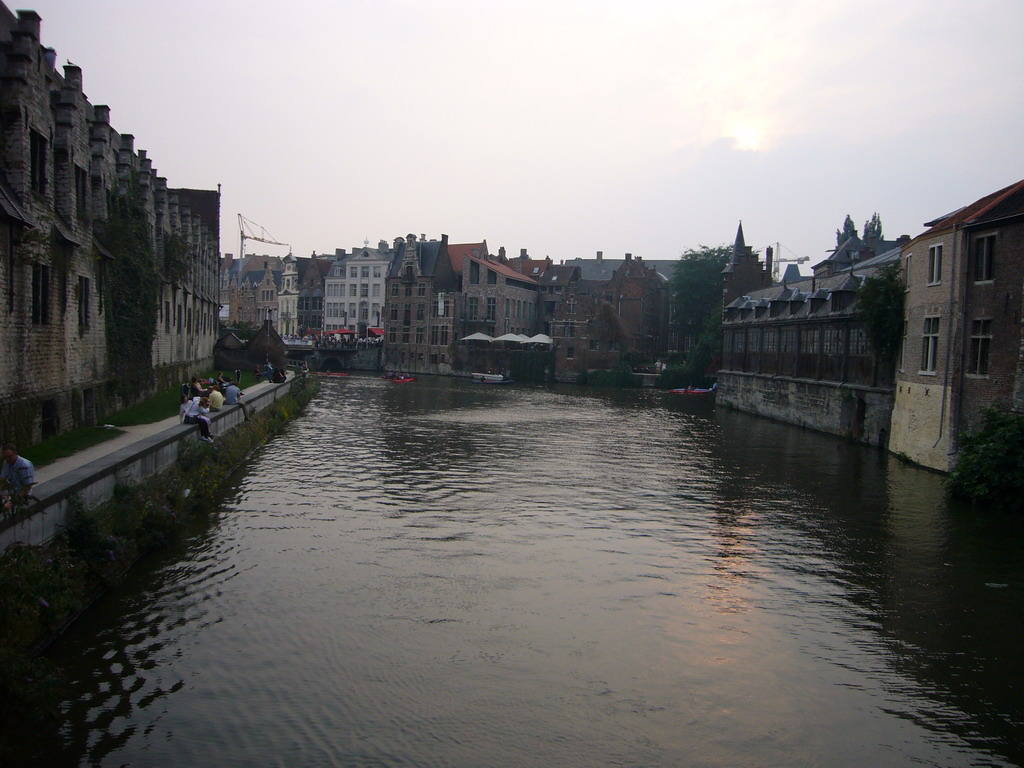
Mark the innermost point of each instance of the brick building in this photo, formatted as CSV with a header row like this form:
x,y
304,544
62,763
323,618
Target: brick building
x,y
963,347
62,167
423,303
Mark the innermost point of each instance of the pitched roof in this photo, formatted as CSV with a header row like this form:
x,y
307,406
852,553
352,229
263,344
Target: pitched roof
x,y
457,251
505,269
1007,201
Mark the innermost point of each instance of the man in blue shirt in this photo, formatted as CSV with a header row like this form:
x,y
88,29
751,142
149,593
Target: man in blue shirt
x,y
19,476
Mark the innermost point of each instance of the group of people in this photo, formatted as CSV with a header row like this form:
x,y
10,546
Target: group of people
x,y
270,373
205,396
17,476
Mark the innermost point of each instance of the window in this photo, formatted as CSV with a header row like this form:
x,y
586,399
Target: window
x,y
37,157
364,290
983,249
492,277
353,272
472,311
83,302
569,352
421,312
491,307
376,271
474,273
903,346
376,290
929,344
981,339
352,289
594,345
394,289
81,191
40,294
935,265
364,272
421,289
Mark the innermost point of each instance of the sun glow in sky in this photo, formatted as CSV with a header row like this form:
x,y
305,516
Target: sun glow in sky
x,y
561,126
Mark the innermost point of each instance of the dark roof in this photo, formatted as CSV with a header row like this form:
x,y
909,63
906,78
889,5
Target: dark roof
x,y
603,269
1008,201
10,206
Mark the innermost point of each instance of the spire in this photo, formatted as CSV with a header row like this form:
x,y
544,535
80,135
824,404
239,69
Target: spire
x,y
740,247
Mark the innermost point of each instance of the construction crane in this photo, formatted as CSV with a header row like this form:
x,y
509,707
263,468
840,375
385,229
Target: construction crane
x,y
778,259
247,231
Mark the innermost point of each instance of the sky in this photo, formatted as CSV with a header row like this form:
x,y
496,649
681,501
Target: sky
x,y
563,127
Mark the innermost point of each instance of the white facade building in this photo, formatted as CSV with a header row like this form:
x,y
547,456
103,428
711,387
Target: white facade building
x,y
354,289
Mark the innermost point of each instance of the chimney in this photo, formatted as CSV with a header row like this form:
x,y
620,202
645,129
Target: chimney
x,y
629,257
600,255
522,253
501,253
769,257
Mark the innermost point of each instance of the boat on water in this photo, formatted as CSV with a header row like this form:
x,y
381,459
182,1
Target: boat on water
x,y
491,378
695,391
399,378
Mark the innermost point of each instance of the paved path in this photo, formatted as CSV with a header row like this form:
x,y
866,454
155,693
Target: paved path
x,y
131,435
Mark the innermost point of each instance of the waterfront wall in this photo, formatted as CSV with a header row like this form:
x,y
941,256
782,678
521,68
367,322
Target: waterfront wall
x,y
95,482
858,412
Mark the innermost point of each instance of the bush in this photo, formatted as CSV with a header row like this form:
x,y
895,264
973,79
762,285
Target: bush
x,y
990,468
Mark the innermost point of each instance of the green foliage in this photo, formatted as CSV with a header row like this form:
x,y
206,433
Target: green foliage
x,y
849,230
621,376
990,467
696,285
134,290
880,309
702,359
531,365
873,227
176,259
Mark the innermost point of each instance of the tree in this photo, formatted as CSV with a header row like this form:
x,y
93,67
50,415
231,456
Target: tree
x,y
697,286
849,230
880,309
990,468
873,228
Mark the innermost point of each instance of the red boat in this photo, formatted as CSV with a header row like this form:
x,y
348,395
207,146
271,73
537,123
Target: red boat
x,y
695,391
399,378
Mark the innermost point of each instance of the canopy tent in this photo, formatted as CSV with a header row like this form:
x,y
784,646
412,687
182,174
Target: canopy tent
x,y
540,338
374,331
513,337
477,337
341,331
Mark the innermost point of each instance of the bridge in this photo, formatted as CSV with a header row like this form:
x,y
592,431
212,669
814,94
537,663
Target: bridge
x,y
336,357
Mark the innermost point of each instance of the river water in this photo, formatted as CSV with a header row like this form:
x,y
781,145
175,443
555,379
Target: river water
x,y
448,574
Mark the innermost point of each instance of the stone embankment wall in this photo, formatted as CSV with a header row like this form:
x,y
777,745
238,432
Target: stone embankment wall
x,y
858,412
94,483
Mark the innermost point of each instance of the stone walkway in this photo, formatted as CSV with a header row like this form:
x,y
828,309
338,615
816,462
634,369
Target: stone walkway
x,y
131,435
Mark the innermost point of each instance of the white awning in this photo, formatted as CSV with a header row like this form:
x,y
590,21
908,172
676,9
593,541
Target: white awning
x,y
540,338
477,337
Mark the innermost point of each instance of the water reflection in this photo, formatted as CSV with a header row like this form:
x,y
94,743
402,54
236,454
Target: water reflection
x,y
454,575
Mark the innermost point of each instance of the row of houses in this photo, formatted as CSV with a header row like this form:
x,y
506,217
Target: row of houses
x,y
798,351
424,295
66,175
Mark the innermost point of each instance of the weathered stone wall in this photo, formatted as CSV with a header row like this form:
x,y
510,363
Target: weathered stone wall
x,y
61,160
858,412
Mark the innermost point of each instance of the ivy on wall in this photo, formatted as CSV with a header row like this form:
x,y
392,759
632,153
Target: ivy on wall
x,y
134,290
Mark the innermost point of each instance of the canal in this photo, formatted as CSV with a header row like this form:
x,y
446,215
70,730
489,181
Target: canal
x,y
447,574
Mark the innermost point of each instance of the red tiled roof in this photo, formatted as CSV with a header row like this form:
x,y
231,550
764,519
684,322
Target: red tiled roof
x,y
458,251
506,270
976,210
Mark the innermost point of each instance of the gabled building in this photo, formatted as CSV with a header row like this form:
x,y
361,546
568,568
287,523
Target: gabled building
x,y
963,347
420,322
497,299
310,303
288,297
355,288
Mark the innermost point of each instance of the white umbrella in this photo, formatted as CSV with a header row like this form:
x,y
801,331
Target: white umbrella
x,y
510,337
477,337
540,338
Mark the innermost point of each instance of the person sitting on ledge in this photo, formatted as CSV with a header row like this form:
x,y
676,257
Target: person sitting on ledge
x,y
196,412
18,475
216,398
196,388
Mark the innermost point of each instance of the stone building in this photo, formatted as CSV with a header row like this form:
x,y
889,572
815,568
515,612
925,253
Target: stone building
x,y
963,347
496,298
423,303
597,321
797,352
310,302
66,177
